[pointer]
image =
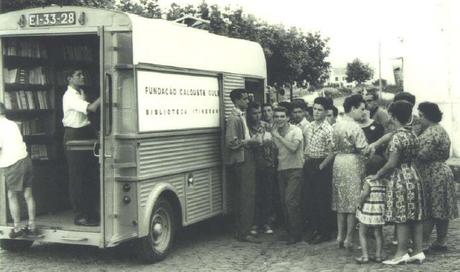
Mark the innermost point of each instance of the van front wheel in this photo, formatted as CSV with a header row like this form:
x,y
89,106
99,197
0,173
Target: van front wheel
x,y
157,244
15,245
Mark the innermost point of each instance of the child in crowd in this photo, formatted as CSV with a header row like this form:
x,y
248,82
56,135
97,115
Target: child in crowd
x,y
370,211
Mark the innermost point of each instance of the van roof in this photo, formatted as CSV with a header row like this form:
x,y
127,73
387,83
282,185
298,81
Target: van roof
x,y
168,43
154,41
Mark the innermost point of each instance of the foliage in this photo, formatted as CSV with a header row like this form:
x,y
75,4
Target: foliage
x,y
393,89
316,68
20,4
358,71
146,8
345,91
384,82
291,55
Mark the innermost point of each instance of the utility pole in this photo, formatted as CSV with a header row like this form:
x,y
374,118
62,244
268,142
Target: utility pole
x,y
380,72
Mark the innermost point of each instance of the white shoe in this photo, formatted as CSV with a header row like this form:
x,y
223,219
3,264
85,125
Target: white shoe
x,y
268,229
253,231
402,260
417,258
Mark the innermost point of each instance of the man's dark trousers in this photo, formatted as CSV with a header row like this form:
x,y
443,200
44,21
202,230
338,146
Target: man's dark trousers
x,y
83,174
290,184
323,219
265,177
244,182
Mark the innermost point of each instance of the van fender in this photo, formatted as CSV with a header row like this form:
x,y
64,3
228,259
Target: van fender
x,y
153,197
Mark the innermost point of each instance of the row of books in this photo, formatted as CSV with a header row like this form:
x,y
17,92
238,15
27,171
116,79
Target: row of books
x,y
33,127
34,75
77,52
24,48
27,100
39,152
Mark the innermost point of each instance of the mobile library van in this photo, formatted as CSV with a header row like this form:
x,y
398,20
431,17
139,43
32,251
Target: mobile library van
x,y
165,94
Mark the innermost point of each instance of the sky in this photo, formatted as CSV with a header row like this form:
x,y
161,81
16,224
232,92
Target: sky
x,y
355,28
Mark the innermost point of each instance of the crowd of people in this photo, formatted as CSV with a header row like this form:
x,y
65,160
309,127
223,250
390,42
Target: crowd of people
x,y
320,173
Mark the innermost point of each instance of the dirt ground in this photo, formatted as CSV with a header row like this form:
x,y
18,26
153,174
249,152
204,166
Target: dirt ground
x,y
209,246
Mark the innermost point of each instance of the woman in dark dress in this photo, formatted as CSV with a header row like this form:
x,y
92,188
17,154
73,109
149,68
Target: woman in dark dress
x,y
372,130
438,179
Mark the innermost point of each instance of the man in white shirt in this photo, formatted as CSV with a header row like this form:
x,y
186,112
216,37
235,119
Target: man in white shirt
x,y
82,166
17,169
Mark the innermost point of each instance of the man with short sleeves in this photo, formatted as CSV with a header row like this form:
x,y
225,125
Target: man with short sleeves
x,y
289,141
17,170
318,171
82,166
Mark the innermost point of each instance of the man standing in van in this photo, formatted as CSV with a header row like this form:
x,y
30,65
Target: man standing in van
x,y
17,169
83,182
241,165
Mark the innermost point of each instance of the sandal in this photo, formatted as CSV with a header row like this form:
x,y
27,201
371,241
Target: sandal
x,y
362,260
16,232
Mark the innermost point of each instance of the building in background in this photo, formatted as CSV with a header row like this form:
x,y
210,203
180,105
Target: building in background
x,y
338,78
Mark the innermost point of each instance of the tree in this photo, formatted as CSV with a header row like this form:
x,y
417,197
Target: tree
x,y
146,8
316,68
21,4
291,55
358,71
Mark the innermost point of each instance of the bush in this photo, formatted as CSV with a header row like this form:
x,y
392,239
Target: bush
x,y
393,89
345,91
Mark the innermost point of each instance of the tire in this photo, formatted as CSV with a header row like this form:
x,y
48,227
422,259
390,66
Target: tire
x,y
15,245
162,227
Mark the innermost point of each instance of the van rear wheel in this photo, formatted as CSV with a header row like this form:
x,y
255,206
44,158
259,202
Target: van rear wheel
x,y
15,245
157,244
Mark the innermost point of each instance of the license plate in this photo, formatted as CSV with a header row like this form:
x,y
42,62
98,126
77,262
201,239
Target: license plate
x,y
52,18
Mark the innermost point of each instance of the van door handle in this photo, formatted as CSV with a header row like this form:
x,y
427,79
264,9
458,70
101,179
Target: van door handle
x,y
95,147
109,102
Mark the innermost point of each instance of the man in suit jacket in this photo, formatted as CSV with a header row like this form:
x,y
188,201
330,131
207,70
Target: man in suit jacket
x,y
240,165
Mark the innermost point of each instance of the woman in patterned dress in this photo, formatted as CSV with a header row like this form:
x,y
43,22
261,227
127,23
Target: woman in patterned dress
x,y
438,179
404,204
348,169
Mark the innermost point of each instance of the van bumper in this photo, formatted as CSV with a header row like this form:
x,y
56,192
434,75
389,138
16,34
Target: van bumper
x,y
58,236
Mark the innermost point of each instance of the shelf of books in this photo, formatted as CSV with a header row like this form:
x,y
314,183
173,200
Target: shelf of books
x,y
34,80
34,71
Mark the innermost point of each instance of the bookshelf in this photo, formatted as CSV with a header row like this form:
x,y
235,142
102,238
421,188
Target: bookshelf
x,y
34,74
34,80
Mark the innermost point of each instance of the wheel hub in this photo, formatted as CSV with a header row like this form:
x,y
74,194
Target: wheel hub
x,y
158,229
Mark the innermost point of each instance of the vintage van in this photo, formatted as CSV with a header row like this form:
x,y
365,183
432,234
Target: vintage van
x,y
165,94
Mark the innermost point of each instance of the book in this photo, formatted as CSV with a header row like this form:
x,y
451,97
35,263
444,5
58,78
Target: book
x,y
30,100
8,102
23,100
22,76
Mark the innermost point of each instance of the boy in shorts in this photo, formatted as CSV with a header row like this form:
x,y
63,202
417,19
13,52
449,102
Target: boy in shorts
x,y
17,169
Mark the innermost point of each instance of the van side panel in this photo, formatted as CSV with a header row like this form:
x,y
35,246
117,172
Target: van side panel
x,y
174,154
191,164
